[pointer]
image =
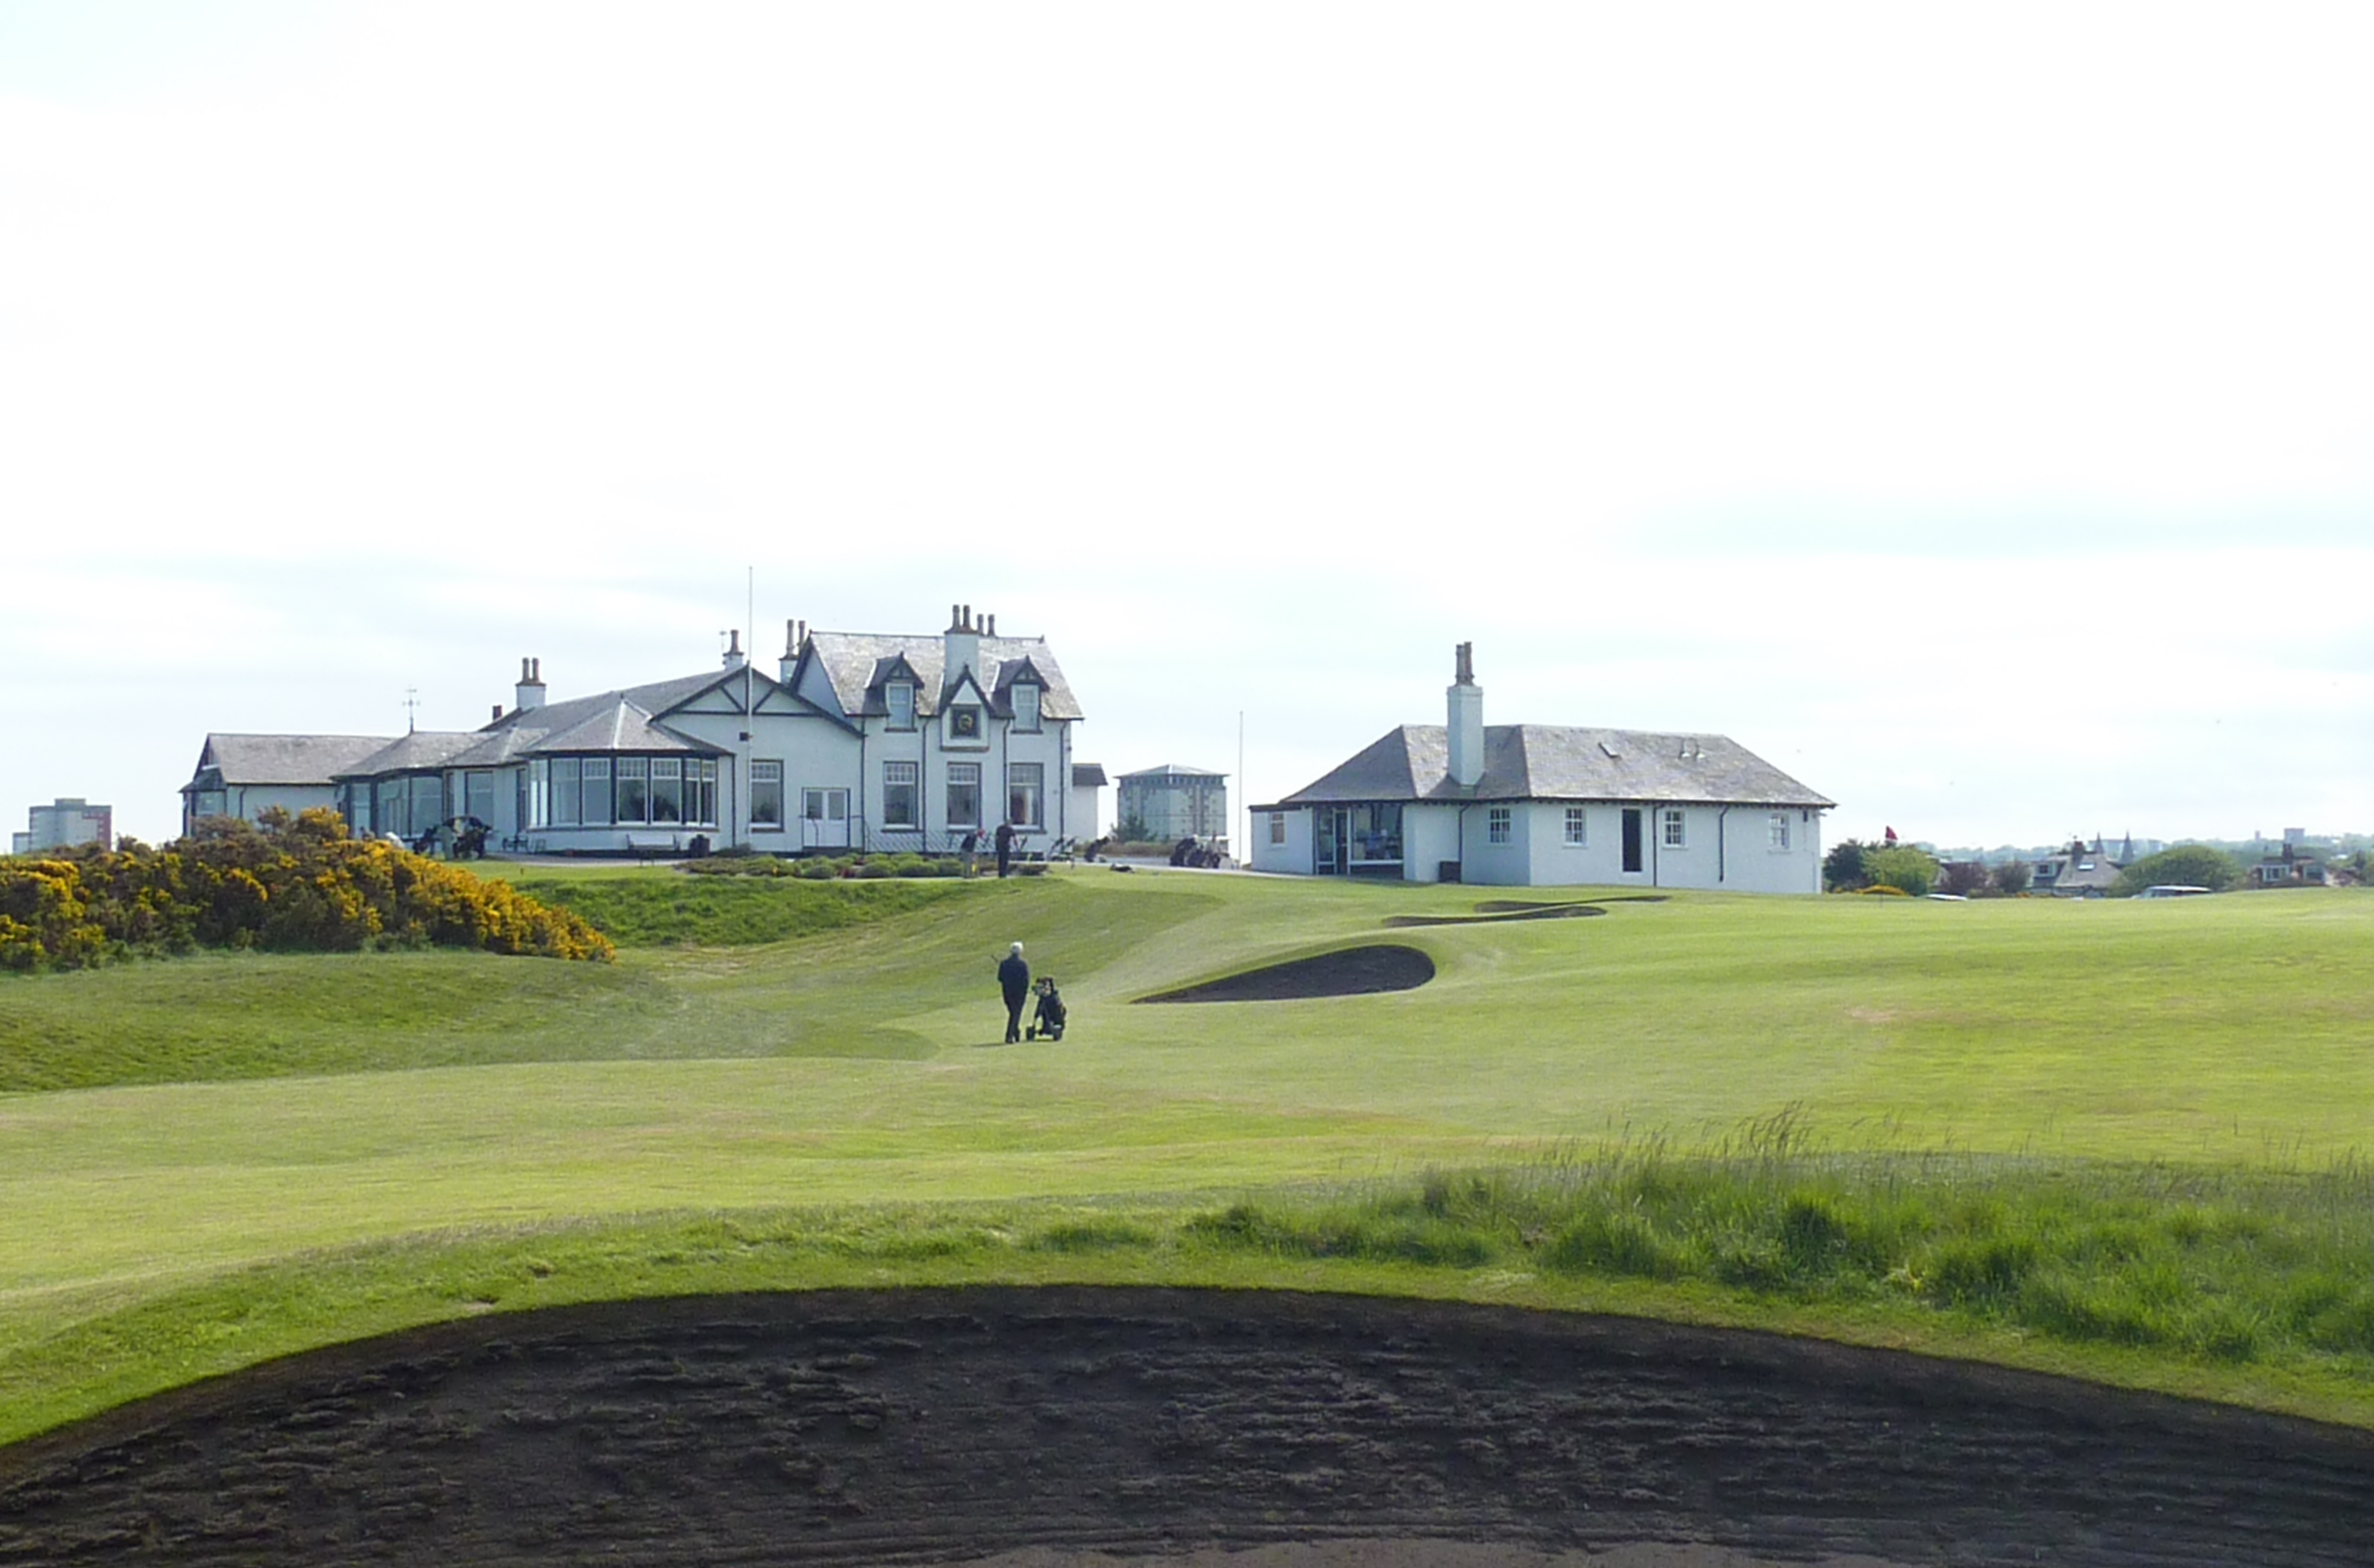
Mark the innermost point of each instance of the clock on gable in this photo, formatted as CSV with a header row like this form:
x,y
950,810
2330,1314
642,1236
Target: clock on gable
x,y
965,723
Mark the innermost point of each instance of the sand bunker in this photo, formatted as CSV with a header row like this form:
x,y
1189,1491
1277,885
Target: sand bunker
x,y
1499,916
1033,1428
1354,971
1494,910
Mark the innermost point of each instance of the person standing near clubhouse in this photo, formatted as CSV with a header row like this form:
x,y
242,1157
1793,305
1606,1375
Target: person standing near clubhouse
x,y
1005,848
1013,979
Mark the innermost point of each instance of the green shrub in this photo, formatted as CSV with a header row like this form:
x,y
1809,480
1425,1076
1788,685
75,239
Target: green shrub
x,y
1908,871
291,884
2187,865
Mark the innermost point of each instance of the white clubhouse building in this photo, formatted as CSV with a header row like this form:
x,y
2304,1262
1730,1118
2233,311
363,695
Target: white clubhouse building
x,y
858,741
1545,805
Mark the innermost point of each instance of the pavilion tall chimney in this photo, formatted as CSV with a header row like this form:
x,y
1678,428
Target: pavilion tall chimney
x,y
1466,721
963,646
531,684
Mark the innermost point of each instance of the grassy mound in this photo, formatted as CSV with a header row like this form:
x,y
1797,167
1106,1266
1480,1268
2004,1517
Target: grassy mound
x,y
654,910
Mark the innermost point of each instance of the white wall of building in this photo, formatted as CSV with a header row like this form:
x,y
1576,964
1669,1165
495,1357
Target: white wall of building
x,y
1482,861
1430,837
1290,855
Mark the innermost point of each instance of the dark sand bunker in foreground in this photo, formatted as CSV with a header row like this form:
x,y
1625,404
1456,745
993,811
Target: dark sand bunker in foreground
x,y
1353,971
1073,1425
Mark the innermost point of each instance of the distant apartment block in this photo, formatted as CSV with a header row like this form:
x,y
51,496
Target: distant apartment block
x,y
1174,802
64,823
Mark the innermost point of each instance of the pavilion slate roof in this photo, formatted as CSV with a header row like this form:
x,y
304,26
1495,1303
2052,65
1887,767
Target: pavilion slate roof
x,y
1548,762
285,759
858,662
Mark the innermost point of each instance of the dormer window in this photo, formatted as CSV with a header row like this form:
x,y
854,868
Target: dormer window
x,y
1026,705
901,696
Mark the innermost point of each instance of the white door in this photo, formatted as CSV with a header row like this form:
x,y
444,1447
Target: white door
x,y
823,819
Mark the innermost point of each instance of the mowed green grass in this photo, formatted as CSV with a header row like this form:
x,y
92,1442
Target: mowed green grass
x,y
185,1126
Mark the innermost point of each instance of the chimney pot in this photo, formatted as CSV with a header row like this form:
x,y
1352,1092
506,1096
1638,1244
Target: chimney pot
x,y
497,714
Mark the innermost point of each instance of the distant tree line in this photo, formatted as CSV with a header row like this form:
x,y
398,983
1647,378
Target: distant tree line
x,y
296,883
1853,866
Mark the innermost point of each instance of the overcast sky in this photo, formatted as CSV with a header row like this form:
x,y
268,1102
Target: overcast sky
x,y
1969,409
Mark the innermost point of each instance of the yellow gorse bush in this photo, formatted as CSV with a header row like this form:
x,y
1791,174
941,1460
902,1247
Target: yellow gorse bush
x,y
293,884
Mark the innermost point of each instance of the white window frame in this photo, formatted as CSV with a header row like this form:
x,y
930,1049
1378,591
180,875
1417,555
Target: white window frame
x,y
1276,828
1778,829
964,778
635,770
1030,777
1578,828
899,697
902,796
593,799
766,788
1026,707
1499,825
1674,830
567,792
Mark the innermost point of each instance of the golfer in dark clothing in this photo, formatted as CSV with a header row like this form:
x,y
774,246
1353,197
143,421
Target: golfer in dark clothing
x,y
1013,979
1004,850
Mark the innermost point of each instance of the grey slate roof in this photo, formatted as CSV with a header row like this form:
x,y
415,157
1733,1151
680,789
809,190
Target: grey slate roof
x,y
607,722
285,759
1179,768
1085,774
858,662
422,751
1546,762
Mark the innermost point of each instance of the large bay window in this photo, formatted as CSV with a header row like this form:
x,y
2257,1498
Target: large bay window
x,y
390,813
595,812
568,795
634,789
964,794
427,802
667,789
901,805
1025,795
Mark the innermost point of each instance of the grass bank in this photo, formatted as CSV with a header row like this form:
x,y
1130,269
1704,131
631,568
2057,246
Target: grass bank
x,y
2254,1288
